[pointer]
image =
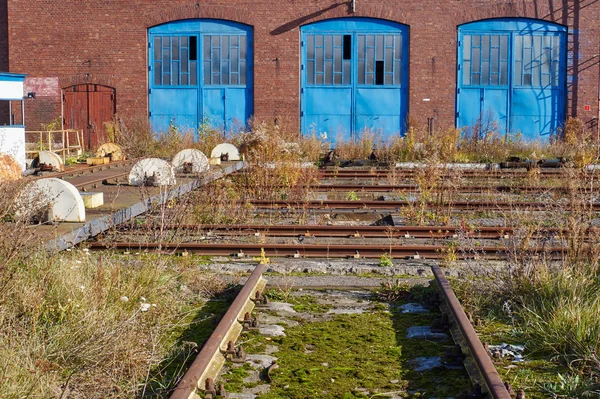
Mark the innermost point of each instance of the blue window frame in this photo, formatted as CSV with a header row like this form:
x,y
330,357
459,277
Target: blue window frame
x,y
354,77
512,72
200,72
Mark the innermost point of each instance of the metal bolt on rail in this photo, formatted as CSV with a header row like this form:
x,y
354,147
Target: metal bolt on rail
x,y
250,323
260,299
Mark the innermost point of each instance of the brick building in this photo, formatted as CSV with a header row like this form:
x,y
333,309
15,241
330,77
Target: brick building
x,y
322,65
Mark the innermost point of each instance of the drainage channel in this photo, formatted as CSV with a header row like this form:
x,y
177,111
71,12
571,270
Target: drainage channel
x,y
397,342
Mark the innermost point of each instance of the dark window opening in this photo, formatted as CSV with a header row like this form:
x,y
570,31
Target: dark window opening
x,y
193,48
379,72
347,47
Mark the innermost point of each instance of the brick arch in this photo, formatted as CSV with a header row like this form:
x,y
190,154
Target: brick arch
x,y
196,11
84,78
341,10
507,10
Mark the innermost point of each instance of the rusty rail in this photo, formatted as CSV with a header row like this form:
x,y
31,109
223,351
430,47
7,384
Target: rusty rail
x,y
211,358
388,188
484,363
368,205
329,250
358,231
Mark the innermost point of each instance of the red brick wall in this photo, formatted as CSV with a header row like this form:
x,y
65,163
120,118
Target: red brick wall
x,y
94,41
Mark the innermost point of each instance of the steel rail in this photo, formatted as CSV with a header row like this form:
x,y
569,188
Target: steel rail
x,y
383,173
93,183
484,363
89,169
211,358
327,250
395,205
414,188
294,230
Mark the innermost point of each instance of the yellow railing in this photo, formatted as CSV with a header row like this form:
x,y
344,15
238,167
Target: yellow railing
x,y
62,142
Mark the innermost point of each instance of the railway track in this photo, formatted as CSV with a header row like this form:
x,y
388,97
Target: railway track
x,y
443,172
395,206
359,231
300,250
389,188
202,377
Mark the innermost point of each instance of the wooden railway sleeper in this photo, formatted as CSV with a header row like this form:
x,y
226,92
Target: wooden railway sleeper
x,y
441,325
454,357
475,393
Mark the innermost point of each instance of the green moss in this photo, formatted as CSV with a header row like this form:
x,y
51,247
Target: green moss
x,y
356,356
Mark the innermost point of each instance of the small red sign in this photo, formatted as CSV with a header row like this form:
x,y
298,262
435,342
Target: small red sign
x,y
587,107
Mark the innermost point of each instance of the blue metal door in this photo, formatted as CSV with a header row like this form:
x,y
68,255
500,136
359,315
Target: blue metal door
x,y
200,72
354,78
511,77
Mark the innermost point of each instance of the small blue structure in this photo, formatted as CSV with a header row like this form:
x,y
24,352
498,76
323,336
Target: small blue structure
x,y
12,135
200,71
512,74
354,77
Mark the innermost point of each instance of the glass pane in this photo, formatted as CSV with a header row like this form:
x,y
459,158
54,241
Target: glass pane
x,y
370,40
225,73
526,41
337,79
518,73
165,41
546,61
243,73
310,47
225,49
555,73
319,60
537,46
215,42
215,78
166,62
388,59
234,60
485,73
495,60
207,73
545,80
319,79
504,73
485,48
397,73
504,47
370,78
476,40
495,41
337,40
184,41
527,79
175,73
328,72
556,49
347,73
166,79
379,47
243,48
361,72
184,60
361,47
235,79
466,75
398,48
175,47
310,72
389,79
389,41
206,45
337,64
157,48
235,41
476,61
216,60
319,39
370,59
535,73
328,47
467,48
475,79
184,80
193,73
519,48
157,73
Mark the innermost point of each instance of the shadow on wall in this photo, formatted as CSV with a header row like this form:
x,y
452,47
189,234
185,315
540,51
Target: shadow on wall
x,y
300,21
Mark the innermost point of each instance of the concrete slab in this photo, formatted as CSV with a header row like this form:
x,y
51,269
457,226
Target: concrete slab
x,y
424,332
92,200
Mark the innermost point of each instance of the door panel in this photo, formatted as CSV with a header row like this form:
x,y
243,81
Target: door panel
x,y
494,108
87,107
212,57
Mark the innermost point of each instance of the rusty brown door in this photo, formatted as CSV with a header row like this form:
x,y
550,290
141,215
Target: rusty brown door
x,y
86,107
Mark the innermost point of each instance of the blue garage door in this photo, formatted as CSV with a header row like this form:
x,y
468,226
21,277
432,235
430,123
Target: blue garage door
x,y
512,76
200,73
354,77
